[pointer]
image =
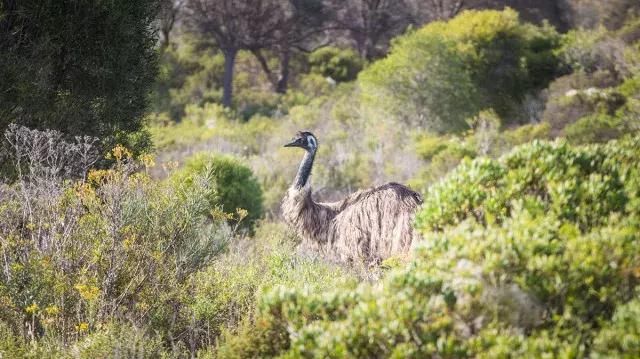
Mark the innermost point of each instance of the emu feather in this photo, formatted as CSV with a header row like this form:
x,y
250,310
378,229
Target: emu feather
x,y
368,225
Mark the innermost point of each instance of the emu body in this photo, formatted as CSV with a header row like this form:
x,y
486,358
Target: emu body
x,y
368,225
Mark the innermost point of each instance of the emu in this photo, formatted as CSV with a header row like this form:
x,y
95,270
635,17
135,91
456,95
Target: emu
x,y
369,225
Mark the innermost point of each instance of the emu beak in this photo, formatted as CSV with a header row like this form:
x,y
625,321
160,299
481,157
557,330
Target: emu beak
x,y
293,143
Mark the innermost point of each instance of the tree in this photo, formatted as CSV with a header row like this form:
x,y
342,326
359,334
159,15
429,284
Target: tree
x,y
168,15
444,73
301,22
236,25
439,9
371,23
80,67
423,83
591,13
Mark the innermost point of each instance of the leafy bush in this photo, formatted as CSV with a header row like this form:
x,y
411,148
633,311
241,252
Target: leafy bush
x,y
227,292
114,244
593,13
620,338
576,184
417,85
84,71
588,51
597,128
339,64
119,341
232,185
565,108
446,72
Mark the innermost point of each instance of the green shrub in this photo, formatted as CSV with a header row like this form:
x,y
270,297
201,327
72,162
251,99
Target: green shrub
x,y
581,51
339,64
226,294
630,32
112,247
423,82
566,107
119,341
630,87
428,146
446,72
577,184
523,134
232,185
596,128
620,338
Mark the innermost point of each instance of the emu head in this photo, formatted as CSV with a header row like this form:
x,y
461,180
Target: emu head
x,y
304,140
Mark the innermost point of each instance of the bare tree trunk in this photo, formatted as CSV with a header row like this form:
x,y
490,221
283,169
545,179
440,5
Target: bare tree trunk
x,y
280,84
265,67
227,82
283,81
164,43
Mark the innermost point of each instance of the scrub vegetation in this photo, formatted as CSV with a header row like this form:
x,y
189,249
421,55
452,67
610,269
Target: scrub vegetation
x,y
137,224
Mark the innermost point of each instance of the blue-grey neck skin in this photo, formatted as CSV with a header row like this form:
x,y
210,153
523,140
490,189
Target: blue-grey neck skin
x,y
305,169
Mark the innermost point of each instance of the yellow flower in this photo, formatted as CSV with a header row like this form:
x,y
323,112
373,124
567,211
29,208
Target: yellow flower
x,y
82,327
129,241
97,176
242,213
88,292
120,152
148,160
32,309
52,310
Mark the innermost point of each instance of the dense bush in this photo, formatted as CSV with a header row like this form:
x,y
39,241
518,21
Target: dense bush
x,y
578,95
443,154
566,181
597,128
593,13
82,69
114,244
620,338
226,293
527,255
415,83
339,64
232,188
448,71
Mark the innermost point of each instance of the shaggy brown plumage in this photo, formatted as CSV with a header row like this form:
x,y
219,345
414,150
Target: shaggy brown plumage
x,y
369,225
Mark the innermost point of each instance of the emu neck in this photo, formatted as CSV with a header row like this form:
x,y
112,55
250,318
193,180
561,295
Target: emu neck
x,y
305,169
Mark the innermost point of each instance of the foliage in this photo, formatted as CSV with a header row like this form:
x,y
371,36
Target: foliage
x,y
564,108
597,128
582,50
619,338
188,74
444,153
79,254
226,292
82,69
415,83
117,340
593,13
339,64
232,187
448,71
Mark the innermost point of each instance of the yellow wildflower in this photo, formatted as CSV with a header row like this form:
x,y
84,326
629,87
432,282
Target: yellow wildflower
x,y
32,309
82,327
88,292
